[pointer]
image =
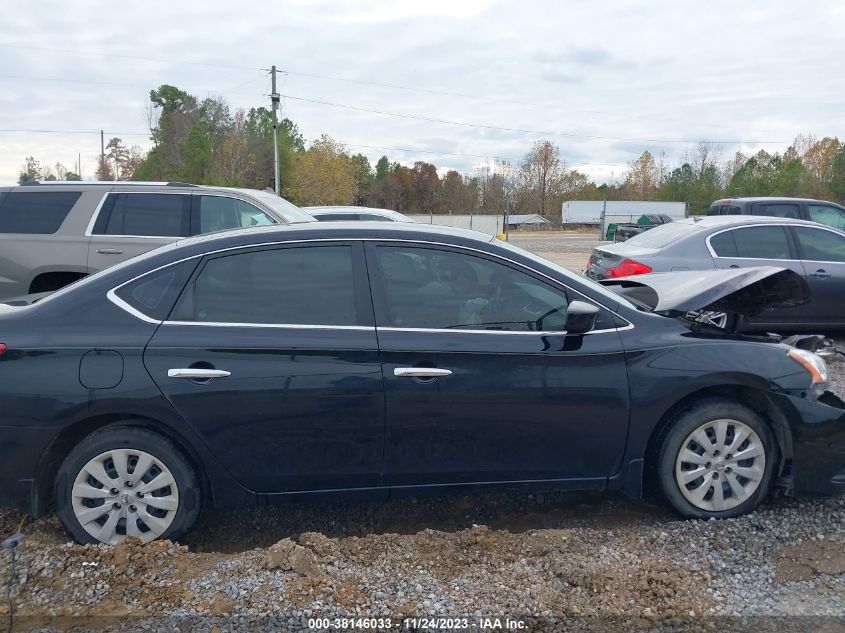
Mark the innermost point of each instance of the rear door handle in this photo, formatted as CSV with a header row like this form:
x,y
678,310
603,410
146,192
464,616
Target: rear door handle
x,y
421,372
820,274
197,374
109,251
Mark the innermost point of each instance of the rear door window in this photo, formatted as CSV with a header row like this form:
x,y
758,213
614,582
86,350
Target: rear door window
x,y
293,285
778,210
146,215
762,242
826,214
731,209
39,212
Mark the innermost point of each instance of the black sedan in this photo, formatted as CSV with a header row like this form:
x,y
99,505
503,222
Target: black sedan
x,y
256,365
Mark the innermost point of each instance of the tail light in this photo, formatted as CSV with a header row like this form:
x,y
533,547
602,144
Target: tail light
x,y
627,268
2,348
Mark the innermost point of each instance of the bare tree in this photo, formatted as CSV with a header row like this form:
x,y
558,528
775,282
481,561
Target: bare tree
x,y
542,168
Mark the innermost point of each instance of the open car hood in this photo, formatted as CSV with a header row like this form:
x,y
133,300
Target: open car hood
x,y
745,291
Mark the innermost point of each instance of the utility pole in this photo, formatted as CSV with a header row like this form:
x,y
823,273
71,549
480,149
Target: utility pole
x,y
274,100
102,150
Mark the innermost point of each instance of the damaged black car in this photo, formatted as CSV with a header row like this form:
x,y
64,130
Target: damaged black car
x,y
351,360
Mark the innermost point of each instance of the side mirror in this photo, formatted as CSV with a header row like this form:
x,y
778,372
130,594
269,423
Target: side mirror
x,y
580,317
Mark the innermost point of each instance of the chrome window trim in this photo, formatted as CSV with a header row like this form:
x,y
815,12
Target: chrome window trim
x,y
93,220
292,326
111,295
120,303
123,305
820,227
739,228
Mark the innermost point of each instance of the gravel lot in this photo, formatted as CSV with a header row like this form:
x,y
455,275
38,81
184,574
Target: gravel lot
x,y
563,562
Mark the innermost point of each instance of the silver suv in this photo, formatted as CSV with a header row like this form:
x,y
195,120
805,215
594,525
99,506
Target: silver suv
x,y
53,233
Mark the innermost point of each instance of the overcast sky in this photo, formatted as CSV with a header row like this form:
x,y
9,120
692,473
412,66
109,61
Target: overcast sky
x,y
604,80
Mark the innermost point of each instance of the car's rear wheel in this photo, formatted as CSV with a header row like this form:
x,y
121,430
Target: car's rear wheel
x,y
716,460
126,482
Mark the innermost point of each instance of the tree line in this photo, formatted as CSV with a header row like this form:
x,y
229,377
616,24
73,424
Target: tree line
x,y
206,142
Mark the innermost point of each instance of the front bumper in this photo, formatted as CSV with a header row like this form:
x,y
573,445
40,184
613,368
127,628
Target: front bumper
x,y
818,435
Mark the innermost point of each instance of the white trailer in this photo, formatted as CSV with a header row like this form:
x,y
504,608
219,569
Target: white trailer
x,y
605,212
617,211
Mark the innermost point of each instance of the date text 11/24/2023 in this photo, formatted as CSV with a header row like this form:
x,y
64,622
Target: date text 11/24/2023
x,y
417,623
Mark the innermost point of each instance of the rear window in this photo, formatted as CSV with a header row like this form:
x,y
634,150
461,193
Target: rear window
x,y
40,212
336,217
662,235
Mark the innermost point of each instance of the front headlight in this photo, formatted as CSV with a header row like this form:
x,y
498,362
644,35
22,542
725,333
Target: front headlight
x,y
815,366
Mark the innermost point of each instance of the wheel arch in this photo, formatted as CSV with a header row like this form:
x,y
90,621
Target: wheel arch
x,y
755,399
55,453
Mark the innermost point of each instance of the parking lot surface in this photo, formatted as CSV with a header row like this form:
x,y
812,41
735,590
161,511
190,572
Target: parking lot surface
x,y
554,561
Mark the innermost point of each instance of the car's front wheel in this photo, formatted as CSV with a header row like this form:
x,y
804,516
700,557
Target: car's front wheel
x,y
126,482
716,460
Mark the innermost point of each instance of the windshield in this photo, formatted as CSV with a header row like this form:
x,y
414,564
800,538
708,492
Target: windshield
x,y
663,235
289,212
596,287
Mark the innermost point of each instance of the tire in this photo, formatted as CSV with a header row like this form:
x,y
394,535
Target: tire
x,y
691,472
163,501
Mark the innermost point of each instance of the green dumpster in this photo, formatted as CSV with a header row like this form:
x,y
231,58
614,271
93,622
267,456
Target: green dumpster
x,y
611,232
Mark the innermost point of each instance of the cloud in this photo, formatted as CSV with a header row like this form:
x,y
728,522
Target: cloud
x,y
644,69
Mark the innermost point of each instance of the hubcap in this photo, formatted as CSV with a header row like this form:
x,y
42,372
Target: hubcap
x,y
720,465
125,492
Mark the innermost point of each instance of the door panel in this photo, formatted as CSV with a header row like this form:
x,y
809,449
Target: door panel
x,y
823,260
516,407
519,404
129,224
303,409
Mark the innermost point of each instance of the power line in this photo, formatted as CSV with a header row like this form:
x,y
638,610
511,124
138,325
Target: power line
x,y
420,117
132,57
32,131
426,151
353,81
126,85
464,95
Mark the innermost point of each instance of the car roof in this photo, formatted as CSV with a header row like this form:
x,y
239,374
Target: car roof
x,y
726,221
348,209
337,231
769,199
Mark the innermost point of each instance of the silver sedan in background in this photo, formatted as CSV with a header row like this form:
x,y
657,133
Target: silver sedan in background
x,y
814,251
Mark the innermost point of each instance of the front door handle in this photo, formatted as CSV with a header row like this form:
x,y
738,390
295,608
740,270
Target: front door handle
x,y
820,274
195,373
109,251
421,372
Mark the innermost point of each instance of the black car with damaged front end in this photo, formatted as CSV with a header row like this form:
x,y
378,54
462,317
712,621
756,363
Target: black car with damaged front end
x,y
372,359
